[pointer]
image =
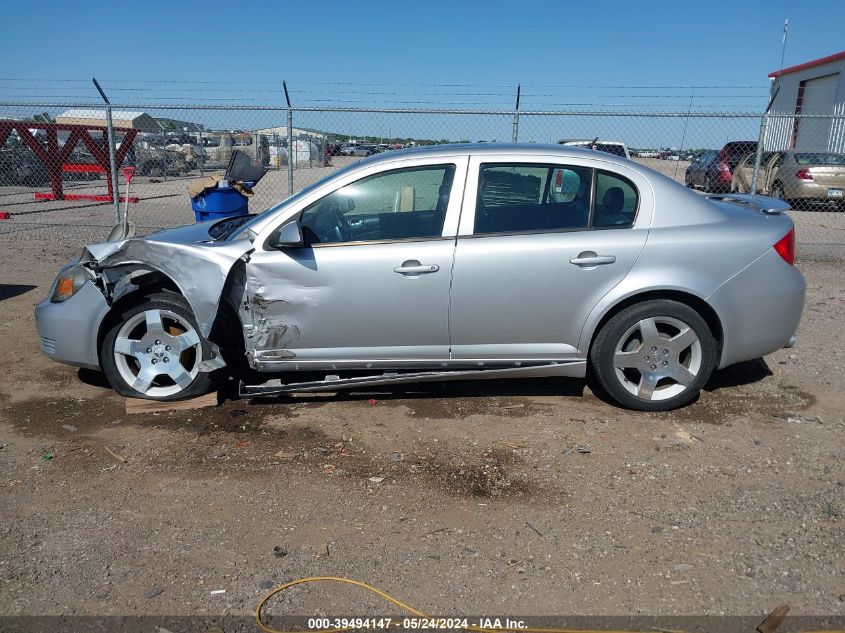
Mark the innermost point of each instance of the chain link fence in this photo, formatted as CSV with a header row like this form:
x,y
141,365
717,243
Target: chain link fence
x,y
55,165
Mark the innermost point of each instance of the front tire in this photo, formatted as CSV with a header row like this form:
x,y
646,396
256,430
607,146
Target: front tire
x,y
153,350
654,356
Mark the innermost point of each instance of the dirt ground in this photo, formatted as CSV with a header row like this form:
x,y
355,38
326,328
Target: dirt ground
x,y
457,498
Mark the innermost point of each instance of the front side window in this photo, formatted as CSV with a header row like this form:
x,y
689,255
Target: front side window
x,y
395,205
517,198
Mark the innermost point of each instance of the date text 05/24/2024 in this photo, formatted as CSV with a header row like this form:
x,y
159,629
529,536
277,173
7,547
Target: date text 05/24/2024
x,y
415,623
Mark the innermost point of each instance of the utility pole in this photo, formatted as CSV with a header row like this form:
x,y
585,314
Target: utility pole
x,y
783,44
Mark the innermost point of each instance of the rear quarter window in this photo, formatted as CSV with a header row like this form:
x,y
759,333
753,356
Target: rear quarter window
x,y
616,201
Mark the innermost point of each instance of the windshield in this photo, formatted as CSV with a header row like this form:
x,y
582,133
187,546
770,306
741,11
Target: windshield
x,y
819,158
256,219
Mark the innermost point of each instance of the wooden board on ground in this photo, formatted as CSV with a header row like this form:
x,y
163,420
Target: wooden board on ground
x,y
137,405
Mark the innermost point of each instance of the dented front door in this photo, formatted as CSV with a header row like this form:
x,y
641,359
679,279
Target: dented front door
x,y
350,303
372,282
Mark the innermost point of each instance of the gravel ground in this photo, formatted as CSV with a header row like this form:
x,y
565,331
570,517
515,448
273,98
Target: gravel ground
x,y
465,497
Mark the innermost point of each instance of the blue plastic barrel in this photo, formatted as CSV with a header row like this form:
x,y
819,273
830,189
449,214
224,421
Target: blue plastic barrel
x,y
221,202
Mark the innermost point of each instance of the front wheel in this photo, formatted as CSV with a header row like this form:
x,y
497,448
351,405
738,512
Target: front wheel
x,y
654,356
153,350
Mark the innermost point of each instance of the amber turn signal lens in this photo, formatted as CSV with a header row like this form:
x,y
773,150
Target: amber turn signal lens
x,y
64,289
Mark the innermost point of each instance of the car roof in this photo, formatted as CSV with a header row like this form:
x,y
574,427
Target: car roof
x,y
494,149
589,141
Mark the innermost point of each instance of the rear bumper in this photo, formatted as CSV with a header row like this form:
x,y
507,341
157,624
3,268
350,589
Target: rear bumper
x,y
760,309
69,330
811,191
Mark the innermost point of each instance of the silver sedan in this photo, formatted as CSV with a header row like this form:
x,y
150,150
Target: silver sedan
x,y
452,262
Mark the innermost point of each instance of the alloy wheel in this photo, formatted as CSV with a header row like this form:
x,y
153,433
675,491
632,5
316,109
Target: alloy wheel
x,y
157,352
657,358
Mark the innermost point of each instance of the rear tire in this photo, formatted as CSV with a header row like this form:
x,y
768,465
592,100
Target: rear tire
x,y
654,356
152,350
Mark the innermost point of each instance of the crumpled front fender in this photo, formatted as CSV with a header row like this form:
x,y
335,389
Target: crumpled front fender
x,y
199,269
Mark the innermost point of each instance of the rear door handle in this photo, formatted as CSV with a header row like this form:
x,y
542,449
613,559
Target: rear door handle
x,y
413,267
590,259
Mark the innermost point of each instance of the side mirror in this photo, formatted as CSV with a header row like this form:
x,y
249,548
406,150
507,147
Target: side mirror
x,y
289,235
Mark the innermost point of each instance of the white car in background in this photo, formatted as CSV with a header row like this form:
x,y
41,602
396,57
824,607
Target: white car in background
x,y
617,148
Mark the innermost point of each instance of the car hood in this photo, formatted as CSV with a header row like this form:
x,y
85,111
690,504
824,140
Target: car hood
x,y
188,234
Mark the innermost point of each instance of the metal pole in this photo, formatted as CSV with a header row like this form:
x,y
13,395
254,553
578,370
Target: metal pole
x,y
515,134
783,43
290,140
115,193
758,157
683,136
202,153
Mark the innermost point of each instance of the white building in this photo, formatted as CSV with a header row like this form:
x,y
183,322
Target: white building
x,y
282,132
813,88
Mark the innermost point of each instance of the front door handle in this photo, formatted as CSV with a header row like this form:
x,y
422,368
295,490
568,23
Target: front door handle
x,y
413,267
589,259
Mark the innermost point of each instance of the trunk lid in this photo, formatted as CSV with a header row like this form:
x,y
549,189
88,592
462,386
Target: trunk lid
x,y
828,175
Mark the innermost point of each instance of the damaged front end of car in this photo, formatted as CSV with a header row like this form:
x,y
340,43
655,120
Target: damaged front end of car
x,y
111,275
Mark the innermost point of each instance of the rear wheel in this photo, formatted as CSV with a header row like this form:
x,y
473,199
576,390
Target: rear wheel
x,y
153,350
654,356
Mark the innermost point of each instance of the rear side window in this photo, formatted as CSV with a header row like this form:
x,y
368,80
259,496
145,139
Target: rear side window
x,y
608,148
547,198
519,198
616,201
820,158
736,150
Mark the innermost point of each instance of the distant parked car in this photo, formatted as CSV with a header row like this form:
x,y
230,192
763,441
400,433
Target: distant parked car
x,y
700,169
715,175
482,261
19,166
364,150
347,150
617,148
798,177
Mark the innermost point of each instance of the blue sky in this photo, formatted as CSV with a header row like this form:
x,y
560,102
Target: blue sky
x,y
415,54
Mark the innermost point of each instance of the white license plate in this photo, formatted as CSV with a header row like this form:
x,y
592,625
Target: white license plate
x,y
834,193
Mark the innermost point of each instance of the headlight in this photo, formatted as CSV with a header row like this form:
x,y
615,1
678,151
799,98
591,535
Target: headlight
x,y
69,282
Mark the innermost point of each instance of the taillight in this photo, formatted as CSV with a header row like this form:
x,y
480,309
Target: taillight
x,y
804,174
723,162
785,247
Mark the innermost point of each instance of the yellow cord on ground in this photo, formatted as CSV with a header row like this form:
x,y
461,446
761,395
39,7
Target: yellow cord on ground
x,y
398,603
